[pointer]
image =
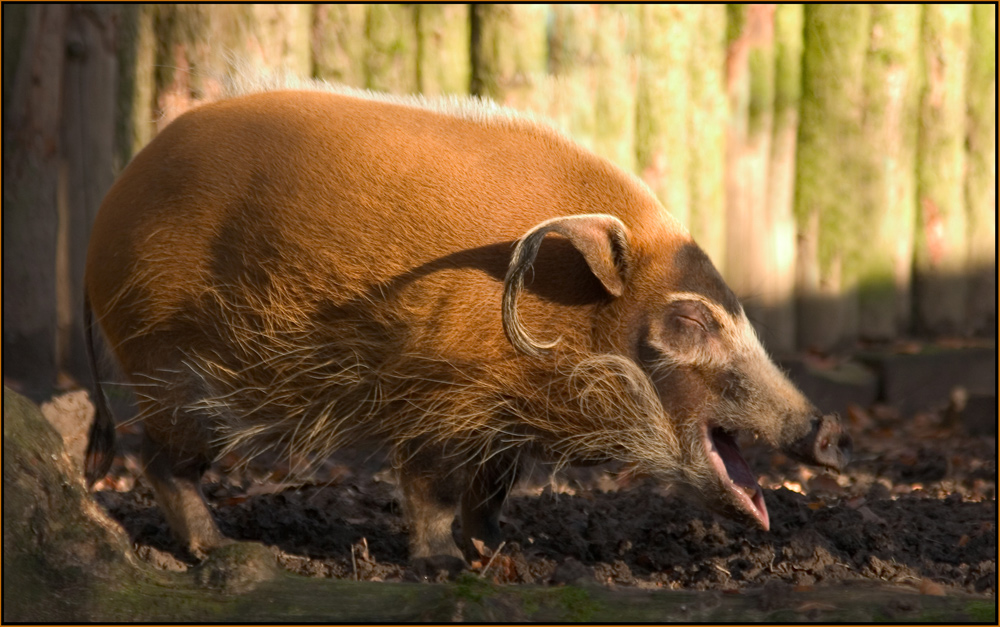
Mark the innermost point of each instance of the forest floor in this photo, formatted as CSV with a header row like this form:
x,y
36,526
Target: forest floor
x,y
916,506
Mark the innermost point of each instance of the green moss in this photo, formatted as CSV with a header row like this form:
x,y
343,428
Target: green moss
x,y
340,43
980,180
828,174
572,36
443,63
706,128
887,155
391,59
736,19
761,104
577,604
941,242
473,588
510,51
982,611
787,61
613,73
662,103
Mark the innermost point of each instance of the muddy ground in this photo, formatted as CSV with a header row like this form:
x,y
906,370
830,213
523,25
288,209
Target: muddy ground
x,y
917,506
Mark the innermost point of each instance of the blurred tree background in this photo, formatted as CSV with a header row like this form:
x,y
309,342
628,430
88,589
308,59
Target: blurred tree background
x,y
837,162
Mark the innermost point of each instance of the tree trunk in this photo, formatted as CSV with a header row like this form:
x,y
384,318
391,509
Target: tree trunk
x,y
34,53
571,50
779,322
942,252
750,88
136,84
88,141
981,180
828,176
889,141
510,54
662,104
443,64
706,128
339,44
391,61
201,45
615,77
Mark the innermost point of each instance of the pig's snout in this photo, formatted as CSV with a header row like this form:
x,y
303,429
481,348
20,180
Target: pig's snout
x,y
826,444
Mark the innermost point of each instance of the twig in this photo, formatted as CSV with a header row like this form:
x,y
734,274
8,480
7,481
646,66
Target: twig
x,y
492,557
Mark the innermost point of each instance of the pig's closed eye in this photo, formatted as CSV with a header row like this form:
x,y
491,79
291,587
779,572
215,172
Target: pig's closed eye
x,y
693,315
693,322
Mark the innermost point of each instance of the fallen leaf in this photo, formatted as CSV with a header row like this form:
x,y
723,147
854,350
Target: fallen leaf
x,y
963,540
931,588
481,548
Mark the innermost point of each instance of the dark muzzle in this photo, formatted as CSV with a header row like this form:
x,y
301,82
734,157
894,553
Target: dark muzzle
x,y
826,444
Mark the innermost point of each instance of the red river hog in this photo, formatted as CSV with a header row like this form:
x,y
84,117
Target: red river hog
x,y
300,270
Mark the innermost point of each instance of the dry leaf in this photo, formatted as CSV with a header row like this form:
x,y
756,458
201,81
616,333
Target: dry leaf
x,y
481,548
931,588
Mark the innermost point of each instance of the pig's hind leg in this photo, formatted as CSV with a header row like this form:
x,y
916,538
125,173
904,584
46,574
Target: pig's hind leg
x,y
175,472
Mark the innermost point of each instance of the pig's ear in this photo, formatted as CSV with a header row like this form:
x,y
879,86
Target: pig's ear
x,y
602,240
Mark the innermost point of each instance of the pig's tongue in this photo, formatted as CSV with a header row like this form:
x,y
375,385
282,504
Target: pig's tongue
x,y
729,462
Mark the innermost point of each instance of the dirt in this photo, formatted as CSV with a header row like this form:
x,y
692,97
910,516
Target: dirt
x,y
917,506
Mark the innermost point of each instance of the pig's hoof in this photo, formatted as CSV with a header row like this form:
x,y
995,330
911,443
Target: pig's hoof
x,y
437,568
237,567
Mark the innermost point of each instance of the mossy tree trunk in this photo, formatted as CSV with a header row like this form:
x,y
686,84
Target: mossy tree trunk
x,y
615,77
391,60
829,177
940,289
889,141
34,59
339,43
750,89
443,63
136,91
981,180
706,128
510,54
571,50
779,321
663,101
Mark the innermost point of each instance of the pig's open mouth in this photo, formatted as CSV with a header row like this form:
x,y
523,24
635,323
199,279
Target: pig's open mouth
x,y
735,473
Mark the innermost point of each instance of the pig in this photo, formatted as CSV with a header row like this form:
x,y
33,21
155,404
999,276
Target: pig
x,y
299,270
